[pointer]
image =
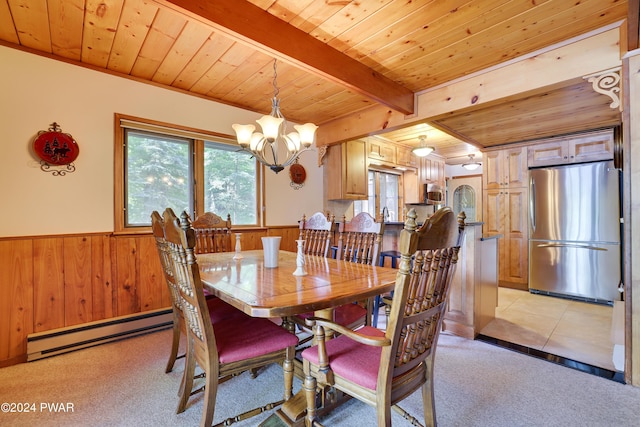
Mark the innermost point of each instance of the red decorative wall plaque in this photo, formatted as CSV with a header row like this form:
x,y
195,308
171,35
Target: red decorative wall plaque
x,y
55,147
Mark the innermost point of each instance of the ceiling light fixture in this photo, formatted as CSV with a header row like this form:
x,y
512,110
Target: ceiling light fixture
x,y
423,150
273,147
472,165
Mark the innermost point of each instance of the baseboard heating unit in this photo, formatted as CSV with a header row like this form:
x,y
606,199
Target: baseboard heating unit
x,y
64,340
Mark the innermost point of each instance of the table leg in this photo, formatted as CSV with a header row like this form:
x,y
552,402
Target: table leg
x,y
293,411
327,313
289,325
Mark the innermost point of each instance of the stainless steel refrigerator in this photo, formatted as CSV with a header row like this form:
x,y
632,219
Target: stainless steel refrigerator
x,y
574,231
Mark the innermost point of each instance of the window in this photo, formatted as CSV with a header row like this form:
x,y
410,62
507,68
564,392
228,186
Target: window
x,y
369,205
390,195
157,175
161,166
230,183
384,192
464,199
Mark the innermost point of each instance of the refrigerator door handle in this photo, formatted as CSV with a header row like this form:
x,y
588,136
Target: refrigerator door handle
x,y
570,245
532,204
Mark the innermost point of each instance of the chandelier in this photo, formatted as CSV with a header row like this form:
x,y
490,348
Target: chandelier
x,y
472,165
273,147
423,150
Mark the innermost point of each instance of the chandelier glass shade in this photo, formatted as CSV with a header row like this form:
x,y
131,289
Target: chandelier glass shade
x,y
273,147
423,150
472,165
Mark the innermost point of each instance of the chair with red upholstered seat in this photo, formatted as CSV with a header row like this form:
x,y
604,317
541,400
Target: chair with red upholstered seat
x,y
379,367
213,234
217,308
359,240
226,346
317,232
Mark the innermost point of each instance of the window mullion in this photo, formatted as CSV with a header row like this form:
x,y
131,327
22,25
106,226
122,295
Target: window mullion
x,y
198,177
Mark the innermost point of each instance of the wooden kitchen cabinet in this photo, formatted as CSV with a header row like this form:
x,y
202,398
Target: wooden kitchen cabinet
x,y
575,149
412,189
505,168
432,170
505,200
405,157
381,151
345,172
505,213
438,172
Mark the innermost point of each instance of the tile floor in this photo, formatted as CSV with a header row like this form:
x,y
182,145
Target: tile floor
x,y
574,330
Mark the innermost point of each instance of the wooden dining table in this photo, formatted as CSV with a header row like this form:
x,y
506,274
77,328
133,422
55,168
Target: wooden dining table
x,y
248,285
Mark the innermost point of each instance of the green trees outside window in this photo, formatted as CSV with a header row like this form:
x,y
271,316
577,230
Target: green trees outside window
x,y
230,184
160,172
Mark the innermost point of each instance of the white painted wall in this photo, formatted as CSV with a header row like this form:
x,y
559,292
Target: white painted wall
x,y
38,91
457,170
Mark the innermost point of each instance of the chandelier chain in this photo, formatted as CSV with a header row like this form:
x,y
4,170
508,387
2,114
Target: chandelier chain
x,y
276,91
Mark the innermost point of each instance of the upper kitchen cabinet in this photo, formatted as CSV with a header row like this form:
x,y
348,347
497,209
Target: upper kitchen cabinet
x,y
572,149
432,170
412,188
381,152
345,172
406,158
505,168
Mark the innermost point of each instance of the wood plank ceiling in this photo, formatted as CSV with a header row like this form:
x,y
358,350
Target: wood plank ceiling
x,y
335,57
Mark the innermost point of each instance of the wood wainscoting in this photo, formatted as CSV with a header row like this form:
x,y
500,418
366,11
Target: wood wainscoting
x,y
51,282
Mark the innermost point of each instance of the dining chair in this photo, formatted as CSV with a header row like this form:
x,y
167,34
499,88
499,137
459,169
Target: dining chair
x,y
213,234
359,241
217,308
381,368
386,300
224,347
317,232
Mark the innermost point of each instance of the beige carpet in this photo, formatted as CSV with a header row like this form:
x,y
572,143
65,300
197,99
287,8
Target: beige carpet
x,y
477,384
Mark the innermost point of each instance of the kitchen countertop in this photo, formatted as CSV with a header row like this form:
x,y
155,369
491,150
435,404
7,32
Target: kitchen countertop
x,y
468,224
495,236
402,223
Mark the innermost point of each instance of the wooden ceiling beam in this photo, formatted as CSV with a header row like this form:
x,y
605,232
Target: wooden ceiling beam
x,y
633,25
247,23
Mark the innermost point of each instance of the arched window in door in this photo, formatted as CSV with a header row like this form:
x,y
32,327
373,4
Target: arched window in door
x,y
464,199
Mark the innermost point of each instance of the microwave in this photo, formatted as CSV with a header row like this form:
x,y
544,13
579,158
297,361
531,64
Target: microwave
x,y
432,194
